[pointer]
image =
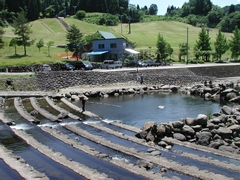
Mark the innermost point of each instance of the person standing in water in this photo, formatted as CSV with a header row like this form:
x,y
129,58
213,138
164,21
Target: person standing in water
x,y
84,99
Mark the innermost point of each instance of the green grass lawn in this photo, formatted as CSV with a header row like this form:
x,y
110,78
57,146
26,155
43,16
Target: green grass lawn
x,y
144,34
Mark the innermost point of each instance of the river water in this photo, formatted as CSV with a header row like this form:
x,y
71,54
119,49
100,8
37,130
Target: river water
x,y
138,109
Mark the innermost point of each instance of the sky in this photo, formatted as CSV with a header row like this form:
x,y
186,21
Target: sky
x,y
163,4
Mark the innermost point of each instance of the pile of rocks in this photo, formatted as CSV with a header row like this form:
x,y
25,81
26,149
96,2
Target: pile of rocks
x,y
221,131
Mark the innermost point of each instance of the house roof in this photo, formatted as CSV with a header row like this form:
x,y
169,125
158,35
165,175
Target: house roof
x,y
107,35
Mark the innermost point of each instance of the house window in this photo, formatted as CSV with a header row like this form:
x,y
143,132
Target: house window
x,y
113,45
101,46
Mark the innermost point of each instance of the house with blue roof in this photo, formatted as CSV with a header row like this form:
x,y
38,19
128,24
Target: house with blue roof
x,y
110,47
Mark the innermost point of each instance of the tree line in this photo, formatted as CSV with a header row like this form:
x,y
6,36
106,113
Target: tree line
x,y
35,9
195,12
205,13
203,50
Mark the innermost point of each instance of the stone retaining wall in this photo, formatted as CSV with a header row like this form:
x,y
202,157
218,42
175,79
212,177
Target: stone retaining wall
x,y
176,76
54,80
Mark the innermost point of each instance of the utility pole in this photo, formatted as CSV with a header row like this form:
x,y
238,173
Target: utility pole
x,y
187,46
129,24
121,23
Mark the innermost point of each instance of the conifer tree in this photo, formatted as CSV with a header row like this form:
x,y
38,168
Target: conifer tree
x,y
235,43
221,45
203,45
22,29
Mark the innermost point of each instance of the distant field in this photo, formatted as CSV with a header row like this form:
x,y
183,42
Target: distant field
x,y
144,34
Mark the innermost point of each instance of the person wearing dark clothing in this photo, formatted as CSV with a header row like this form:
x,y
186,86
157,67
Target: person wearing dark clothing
x,y
84,99
83,104
141,79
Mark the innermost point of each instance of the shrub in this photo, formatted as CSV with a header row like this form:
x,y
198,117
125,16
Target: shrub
x,y
80,15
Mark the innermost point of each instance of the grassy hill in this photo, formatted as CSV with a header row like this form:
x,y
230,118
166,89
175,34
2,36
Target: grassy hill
x,y
144,34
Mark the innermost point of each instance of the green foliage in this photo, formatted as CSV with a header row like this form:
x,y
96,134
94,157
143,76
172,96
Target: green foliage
x,y
13,43
162,47
22,30
49,44
40,44
1,40
235,43
153,9
109,20
229,22
91,37
203,45
221,45
75,38
80,15
182,50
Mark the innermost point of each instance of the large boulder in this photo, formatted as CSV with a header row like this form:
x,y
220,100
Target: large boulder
x,y
203,138
226,110
201,120
161,130
178,124
190,121
150,126
188,130
141,134
179,137
224,132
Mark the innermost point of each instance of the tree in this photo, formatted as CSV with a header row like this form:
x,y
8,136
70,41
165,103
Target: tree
x,y
74,37
49,44
203,45
221,45
153,9
13,43
182,50
40,44
80,15
231,9
235,43
162,47
23,30
1,40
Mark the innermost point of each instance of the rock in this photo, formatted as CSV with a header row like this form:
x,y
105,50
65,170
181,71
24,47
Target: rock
x,y
145,164
161,130
74,97
162,143
223,132
174,88
227,148
210,126
150,136
230,95
190,121
57,96
215,145
215,120
179,137
235,99
150,126
188,130
237,143
226,110
201,120
149,150
142,134
178,124
156,153
203,138
63,115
